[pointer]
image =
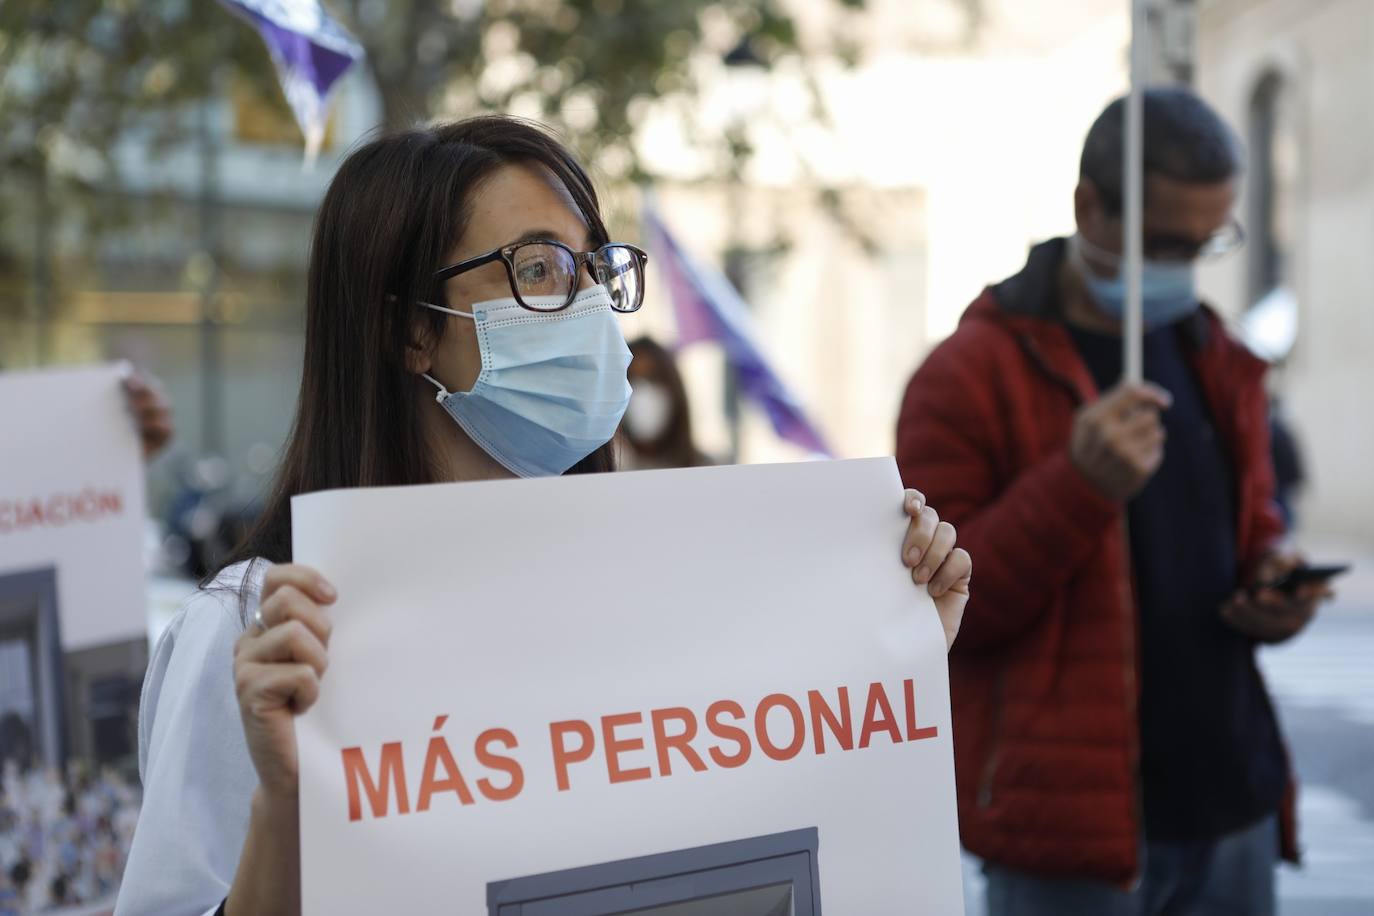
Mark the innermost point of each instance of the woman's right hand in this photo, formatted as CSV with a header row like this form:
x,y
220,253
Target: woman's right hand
x,y
277,669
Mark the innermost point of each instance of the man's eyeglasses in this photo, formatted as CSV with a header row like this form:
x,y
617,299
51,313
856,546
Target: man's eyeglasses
x,y
543,274
1161,247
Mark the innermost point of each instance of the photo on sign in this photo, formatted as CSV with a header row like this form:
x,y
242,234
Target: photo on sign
x,y
774,875
68,796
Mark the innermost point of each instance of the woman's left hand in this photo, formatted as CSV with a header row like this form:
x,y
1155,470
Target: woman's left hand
x,y
929,552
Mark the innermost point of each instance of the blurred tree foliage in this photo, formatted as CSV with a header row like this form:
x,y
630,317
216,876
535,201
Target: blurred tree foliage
x,y
588,67
75,75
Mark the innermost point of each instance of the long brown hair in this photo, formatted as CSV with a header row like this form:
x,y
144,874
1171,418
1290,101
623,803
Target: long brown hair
x,y
397,207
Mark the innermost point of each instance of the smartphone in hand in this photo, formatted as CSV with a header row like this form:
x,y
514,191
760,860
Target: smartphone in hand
x,y
1299,576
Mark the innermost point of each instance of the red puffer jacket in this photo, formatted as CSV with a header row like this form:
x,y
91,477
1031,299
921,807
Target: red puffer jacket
x,y
1043,674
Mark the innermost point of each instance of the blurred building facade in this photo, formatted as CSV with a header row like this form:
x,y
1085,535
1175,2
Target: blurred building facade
x,y
1296,80
59,705
951,159
200,281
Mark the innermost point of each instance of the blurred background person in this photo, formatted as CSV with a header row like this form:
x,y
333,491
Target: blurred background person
x,y
152,413
1118,751
657,430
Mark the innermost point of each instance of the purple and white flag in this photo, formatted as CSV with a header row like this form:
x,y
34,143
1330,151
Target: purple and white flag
x,y
311,52
708,307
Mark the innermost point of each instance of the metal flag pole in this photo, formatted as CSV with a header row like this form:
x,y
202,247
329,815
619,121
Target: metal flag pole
x,y
1134,188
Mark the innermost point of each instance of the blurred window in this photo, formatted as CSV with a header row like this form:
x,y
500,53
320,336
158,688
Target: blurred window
x,y
1275,150
112,708
16,675
30,668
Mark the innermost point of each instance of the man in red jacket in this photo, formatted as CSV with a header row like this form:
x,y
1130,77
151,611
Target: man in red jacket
x,y
1115,748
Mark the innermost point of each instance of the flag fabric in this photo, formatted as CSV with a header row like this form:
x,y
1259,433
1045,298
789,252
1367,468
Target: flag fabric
x,y
708,307
311,52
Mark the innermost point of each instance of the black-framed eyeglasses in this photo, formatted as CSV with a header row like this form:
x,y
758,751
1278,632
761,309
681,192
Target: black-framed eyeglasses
x,y
543,273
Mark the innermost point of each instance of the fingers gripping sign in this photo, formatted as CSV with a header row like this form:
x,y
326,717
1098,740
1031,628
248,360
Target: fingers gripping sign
x,y
929,551
152,412
278,664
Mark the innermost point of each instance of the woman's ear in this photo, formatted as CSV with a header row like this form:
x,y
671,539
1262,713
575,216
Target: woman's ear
x,y
419,352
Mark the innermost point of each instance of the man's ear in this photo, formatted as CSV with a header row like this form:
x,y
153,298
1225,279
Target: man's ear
x,y
1087,205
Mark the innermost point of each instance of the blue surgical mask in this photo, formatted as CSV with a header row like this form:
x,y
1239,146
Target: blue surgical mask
x,y
552,388
1166,287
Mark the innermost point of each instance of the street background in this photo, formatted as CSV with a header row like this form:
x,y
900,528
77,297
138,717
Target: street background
x,y
860,169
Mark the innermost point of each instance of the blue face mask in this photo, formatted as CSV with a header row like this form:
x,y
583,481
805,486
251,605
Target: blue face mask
x,y
552,388
1166,288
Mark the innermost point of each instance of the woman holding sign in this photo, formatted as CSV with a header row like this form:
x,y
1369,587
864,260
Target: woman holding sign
x,y
461,325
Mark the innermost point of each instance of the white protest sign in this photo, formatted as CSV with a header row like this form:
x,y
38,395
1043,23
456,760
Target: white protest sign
x,y
71,498
615,693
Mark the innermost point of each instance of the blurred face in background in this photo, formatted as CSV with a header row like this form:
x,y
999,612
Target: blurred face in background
x,y
1179,220
656,402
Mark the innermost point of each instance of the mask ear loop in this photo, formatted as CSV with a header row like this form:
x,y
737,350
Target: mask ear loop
x,y
1087,249
1075,253
446,311
443,392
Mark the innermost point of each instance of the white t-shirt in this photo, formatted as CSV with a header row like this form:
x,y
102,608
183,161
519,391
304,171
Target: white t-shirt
x,y
198,779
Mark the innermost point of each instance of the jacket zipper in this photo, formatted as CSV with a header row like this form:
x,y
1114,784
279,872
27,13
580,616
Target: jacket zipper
x,y
1132,705
995,742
